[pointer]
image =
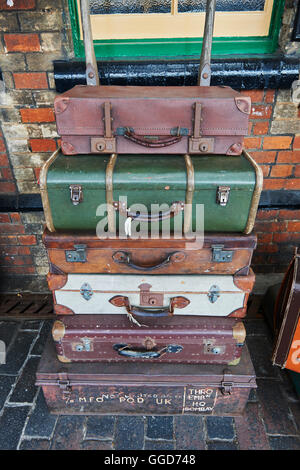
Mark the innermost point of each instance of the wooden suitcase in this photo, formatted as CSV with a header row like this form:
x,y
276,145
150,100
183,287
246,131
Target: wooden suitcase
x,y
112,338
175,194
165,120
133,389
286,318
86,253
141,296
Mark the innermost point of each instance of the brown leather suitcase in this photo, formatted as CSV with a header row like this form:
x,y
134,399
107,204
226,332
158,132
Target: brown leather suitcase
x,y
219,254
155,389
140,119
113,338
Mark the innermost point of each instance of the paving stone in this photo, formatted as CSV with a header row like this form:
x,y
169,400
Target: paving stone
x,y
40,423
253,396
129,433
6,384
276,414
25,389
18,353
160,427
222,445
250,429
34,444
100,427
39,345
220,427
11,425
68,433
189,432
256,327
261,352
159,445
7,331
284,442
96,445
31,325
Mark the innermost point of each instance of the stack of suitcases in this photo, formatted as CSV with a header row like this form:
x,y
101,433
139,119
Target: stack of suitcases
x,y
149,205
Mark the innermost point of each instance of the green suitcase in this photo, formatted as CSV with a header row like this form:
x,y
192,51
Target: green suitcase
x,y
183,191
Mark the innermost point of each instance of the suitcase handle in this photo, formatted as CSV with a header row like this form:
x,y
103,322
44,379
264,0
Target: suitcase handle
x,y
123,257
168,311
127,351
148,142
175,208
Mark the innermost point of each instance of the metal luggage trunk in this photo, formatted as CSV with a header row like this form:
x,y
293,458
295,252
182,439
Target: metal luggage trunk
x,y
157,296
171,192
155,389
85,252
113,338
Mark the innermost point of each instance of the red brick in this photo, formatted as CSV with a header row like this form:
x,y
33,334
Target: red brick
x,y
4,160
255,95
289,156
15,218
31,80
37,115
264,237
264,157
14,250
6,174
4,218
265,170
8,240
17,260
286,214
292,184
261,128
296,144
18,5
297,171
2,146
269,96
281,237
27,239
273,184
42,145
7,187
267,248
261,111
267,214
11,228
294,226
19,269
37,172
281,171
270,227
252,142
22,42
277,142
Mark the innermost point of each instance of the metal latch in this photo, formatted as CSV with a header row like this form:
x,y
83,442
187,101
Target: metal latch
x,y
221,256
226,384
64,384
213,293
86,291
84,346
76,194
78,255
223,195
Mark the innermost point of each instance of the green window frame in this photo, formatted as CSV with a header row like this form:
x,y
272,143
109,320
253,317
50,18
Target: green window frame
x,y
179,47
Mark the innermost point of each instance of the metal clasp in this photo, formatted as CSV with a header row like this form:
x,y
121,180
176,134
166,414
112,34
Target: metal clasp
x,y
76,194
86,291
78,255
213,293
223,195
84,346
64,384
221,256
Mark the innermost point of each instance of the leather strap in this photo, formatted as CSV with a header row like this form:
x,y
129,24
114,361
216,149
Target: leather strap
x,y
148,142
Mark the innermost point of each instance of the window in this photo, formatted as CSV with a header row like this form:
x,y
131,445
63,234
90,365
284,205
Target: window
x,y
173,28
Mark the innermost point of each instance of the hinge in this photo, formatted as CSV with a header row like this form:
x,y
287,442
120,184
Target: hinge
x,y
223,195
76,194
221,256
78,255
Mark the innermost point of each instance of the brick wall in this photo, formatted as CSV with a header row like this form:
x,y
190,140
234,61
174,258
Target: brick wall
x,y
36,32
